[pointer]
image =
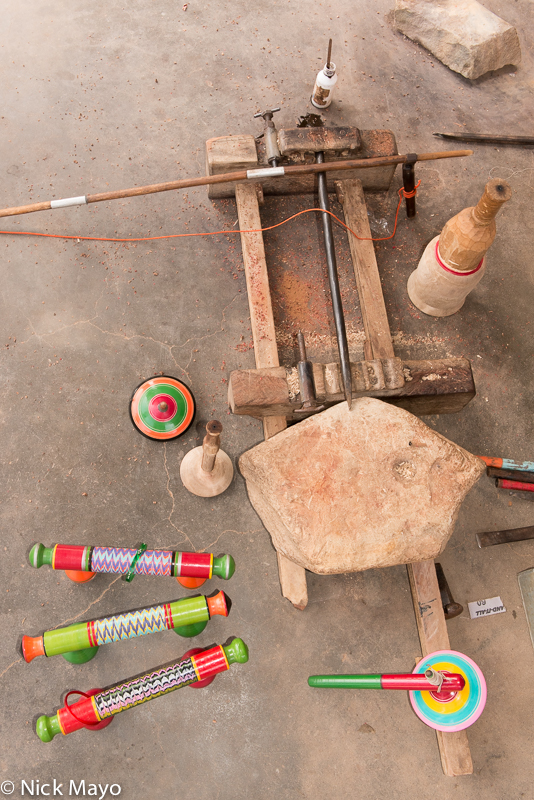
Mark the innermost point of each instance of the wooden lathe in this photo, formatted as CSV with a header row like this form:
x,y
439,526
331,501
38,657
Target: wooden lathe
x,y
421,387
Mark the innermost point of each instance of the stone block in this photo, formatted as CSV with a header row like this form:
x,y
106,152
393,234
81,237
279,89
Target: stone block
x,y
465,36
349,490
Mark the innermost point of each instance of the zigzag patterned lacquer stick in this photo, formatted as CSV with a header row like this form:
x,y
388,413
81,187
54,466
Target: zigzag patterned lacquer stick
x,y
97,708
80,562
79,643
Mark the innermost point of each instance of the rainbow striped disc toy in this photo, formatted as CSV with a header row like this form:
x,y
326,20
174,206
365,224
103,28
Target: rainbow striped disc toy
x,y
162,408
460,709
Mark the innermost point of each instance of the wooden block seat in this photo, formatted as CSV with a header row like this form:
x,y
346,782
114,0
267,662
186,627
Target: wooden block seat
x,y
349,490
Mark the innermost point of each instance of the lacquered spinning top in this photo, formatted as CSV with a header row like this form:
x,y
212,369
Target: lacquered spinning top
x,y
207,470
162,408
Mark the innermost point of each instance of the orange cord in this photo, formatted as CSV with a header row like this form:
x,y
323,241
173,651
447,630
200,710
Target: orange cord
x,y
401,193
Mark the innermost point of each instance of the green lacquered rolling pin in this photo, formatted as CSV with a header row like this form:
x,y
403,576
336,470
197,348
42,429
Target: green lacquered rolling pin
x,y
79,643
97,707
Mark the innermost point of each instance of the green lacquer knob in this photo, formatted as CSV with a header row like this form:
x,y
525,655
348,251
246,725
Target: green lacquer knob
x,y
39,555
191,630
47,727
80,656
224,566
236,652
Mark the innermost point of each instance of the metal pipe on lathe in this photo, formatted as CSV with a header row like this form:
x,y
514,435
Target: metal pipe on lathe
x,y
228,177
333,281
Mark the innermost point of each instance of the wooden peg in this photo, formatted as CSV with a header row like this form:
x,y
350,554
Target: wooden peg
x,y
207,470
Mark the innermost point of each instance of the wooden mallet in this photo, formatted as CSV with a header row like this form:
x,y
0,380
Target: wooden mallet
x,y
207,471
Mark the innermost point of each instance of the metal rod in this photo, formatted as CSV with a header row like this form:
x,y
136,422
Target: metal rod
x,y
339,320
451,608
306,381
408,183
514,486
240,175
488,138
504,537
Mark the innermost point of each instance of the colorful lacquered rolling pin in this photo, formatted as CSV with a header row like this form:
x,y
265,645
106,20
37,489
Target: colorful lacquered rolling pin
x,y
79,643
447,690
81,562
96,708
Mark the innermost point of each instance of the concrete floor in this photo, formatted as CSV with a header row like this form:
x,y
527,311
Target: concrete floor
x,y
102,95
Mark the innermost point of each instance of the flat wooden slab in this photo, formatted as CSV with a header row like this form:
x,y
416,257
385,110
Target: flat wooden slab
x,y
229,153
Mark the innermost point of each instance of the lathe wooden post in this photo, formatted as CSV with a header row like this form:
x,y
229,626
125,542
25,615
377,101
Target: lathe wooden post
x,y
292,577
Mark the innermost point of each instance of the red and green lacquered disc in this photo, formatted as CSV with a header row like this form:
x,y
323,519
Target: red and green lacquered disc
x,y
162,408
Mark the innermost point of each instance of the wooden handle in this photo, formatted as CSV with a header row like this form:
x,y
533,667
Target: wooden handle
x,y
495,194
230,177
211,444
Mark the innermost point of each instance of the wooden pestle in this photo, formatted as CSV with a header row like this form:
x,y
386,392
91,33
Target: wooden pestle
x,y
207,470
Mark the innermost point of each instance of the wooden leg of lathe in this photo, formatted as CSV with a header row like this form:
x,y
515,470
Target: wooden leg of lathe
x,y
431,625
292,576
433,634
378,342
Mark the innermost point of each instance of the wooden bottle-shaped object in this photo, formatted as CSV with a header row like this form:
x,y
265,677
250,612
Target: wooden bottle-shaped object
x,y
454,262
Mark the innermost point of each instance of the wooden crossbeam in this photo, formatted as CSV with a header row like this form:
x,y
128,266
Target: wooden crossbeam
x,y
439,386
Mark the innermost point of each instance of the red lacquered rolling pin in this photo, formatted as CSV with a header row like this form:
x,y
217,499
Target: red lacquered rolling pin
x,y
81,562
97,707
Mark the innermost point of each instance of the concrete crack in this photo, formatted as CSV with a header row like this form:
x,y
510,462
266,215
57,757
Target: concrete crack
x,y
11,665
172,499
94,602
209,335
229,530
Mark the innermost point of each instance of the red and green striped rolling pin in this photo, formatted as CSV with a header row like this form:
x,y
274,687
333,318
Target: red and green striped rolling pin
x,y
80,642
81,562
507,463
96,708
404,681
